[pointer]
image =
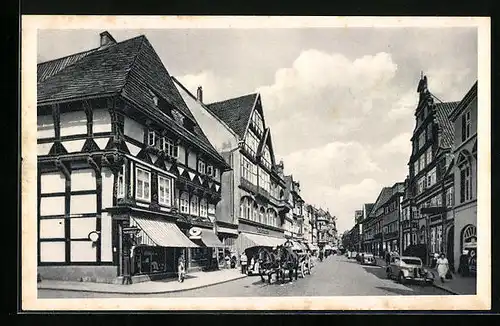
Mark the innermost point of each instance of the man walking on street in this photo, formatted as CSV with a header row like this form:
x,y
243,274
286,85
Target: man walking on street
x,y
243,262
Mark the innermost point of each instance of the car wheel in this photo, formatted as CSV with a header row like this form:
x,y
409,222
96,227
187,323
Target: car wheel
x,y
401,278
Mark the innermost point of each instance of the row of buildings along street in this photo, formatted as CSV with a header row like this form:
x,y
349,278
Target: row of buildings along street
x,y
135,170
434,210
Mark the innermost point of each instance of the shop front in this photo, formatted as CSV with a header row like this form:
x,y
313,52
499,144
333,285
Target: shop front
x,y
156,248
252,238
227,234
206,256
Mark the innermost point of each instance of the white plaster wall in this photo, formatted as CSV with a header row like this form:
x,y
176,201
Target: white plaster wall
x,y
107,188
82,226
52,228
83,180
219,135
52,206
83,251
106,238
133,129
52,182
182,155
101,121
81,204
45,126
52,251
192,161
73,123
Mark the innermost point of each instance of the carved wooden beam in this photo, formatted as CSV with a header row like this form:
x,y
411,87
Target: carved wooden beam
x,y
56,115
63,168
94,165
87,108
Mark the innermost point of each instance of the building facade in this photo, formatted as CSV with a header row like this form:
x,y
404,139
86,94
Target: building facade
x,y
430,181
125,173
392,216
255,200
464,118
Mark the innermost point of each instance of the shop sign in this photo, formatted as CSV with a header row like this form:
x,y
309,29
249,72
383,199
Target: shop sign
x,y
262,230
130,230
194,233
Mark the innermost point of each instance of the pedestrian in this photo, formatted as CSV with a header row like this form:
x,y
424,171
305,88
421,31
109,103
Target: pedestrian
x,y
463,265
442,267
181,268
472,262
252,264
243,262
387,258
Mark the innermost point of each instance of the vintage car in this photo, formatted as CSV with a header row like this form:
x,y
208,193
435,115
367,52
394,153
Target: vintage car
x,y
407,268
353,255
368,259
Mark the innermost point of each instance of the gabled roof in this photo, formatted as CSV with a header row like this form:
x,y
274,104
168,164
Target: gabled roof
x,y
236,112
368,208
445,125
384,195
471,94
131,69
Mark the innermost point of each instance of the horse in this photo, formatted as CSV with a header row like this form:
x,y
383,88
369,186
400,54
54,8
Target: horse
x,y
288,261
268,264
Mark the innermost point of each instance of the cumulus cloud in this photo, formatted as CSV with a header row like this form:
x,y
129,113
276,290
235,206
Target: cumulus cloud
x,y
215,87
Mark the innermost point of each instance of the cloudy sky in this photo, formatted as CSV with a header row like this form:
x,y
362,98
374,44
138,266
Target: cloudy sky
x,y
339,101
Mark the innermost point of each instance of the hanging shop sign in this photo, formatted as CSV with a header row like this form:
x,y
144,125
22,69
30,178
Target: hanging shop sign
x,y
94,236
194,233
131,230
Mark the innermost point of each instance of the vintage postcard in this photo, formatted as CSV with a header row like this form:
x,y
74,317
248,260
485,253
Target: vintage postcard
x,y
255,163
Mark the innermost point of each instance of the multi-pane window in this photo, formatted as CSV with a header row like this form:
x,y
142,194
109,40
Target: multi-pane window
x,y
151,138
255,212
466,125
416,167
210,170
421,184
257,121
203,207
194,206
262,215
143,184
248,170
248,208
429,131
184,203
251,143
421,140
431,177
439,201
164,191
120,185
422,162
169,147
264,180
428,153
267,157
201,167
465,182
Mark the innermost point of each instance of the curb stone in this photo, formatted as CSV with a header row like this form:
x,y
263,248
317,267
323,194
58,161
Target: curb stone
x,y
144,293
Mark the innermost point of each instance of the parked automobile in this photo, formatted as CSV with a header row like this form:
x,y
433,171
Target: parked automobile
x,y
359,256
408,268
353,255
368,259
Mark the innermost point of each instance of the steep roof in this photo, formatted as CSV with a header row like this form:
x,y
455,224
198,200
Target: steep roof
x,y
471,94
446,128
131,69
368,208
236,112
383,197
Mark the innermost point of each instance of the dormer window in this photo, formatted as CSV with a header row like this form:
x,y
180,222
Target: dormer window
x,y
153,97
151,138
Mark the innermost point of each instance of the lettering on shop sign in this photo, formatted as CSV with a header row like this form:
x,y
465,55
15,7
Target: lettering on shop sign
x,y
261,230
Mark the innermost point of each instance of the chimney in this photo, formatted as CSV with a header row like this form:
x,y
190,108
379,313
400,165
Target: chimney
x,y
106,40
279,168
199,94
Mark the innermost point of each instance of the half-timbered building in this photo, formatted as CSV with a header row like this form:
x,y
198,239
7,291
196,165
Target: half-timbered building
x,y
125,173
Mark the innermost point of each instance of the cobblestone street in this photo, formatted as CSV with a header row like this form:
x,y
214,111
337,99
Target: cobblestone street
x,y
335,276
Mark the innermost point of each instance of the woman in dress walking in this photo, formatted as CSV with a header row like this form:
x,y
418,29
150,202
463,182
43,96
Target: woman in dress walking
x,y
442,267
181,268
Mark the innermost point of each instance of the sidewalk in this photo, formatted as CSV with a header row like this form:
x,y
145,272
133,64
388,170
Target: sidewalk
x,y
458,285
192,281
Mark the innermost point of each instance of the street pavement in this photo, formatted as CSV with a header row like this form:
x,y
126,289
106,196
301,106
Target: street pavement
x,y
335,276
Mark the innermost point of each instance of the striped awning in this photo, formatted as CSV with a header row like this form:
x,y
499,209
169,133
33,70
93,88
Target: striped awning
x,y
156,232
209,239
249,240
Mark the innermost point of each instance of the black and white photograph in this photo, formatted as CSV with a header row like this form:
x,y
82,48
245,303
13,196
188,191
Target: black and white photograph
x,y
256,163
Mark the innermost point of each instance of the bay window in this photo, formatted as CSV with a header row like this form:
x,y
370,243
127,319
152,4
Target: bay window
x,y
203,207
194,206
184,203
164,191
143,184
